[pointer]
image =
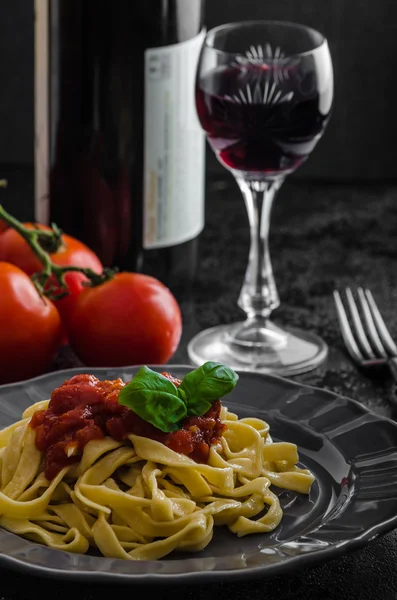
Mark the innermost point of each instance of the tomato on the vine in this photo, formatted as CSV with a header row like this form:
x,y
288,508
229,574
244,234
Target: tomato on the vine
x,y
130,319
30,327
15,250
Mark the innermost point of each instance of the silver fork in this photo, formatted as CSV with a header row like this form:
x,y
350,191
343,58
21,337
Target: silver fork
x,y
368,342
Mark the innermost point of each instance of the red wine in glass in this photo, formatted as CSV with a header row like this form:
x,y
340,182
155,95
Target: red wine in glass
x,y
264,93
260,118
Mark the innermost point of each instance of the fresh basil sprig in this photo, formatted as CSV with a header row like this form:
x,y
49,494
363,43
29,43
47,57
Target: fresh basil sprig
x,y
155,399
158,401
203,386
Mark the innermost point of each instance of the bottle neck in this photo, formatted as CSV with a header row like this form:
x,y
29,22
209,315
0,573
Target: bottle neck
x,y
181,20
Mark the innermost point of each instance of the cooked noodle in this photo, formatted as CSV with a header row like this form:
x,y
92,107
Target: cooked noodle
x,y
140,500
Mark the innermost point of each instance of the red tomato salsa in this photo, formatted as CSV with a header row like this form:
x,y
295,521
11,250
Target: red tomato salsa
x,y
84,408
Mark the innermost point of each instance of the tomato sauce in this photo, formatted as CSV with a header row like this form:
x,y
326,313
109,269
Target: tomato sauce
x,y
84,409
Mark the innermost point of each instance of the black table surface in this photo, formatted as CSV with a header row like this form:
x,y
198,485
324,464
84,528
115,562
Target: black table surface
x,y
323,236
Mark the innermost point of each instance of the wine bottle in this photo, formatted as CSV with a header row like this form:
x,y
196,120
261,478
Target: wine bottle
x,y
119,150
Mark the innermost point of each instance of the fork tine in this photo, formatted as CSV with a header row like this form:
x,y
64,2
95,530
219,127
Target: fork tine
x,y
383,332
345,329
371,328
360,332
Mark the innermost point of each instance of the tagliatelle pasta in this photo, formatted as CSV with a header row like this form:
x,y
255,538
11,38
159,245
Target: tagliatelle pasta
x,y
137,499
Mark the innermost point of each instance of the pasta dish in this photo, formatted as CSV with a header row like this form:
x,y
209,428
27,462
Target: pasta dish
x,y
141,469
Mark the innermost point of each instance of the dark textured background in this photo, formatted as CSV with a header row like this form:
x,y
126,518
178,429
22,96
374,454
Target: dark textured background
x,y
360,141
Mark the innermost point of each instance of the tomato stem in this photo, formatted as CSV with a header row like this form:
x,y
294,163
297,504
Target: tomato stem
x,y
51,280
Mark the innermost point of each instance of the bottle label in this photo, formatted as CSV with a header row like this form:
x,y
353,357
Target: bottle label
x,y
173,210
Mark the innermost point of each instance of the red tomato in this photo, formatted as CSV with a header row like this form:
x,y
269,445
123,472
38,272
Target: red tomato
x,y
131,319
30,327
15,250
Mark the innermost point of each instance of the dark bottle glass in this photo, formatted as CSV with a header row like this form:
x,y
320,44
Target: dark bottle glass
x,y
126,151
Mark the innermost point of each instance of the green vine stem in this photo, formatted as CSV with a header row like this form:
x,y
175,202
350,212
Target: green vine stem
x,y
51,280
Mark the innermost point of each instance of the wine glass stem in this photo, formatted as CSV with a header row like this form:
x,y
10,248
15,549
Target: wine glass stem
x,y
258,296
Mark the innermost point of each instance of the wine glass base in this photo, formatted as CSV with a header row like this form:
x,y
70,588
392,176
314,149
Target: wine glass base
x,y
301,352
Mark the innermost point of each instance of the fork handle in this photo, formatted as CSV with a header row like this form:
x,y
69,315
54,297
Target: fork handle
x,y
392,363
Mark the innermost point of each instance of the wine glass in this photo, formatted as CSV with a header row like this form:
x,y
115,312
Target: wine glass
x,y
264,93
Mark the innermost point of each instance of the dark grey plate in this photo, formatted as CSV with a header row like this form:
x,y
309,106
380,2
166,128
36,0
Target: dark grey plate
x,y
351,451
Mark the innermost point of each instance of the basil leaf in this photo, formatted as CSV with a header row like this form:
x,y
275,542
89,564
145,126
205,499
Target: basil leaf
x,y
155,399
203,386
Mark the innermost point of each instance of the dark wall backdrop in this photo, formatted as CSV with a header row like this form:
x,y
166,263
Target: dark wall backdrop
x,y
16,81
360,140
